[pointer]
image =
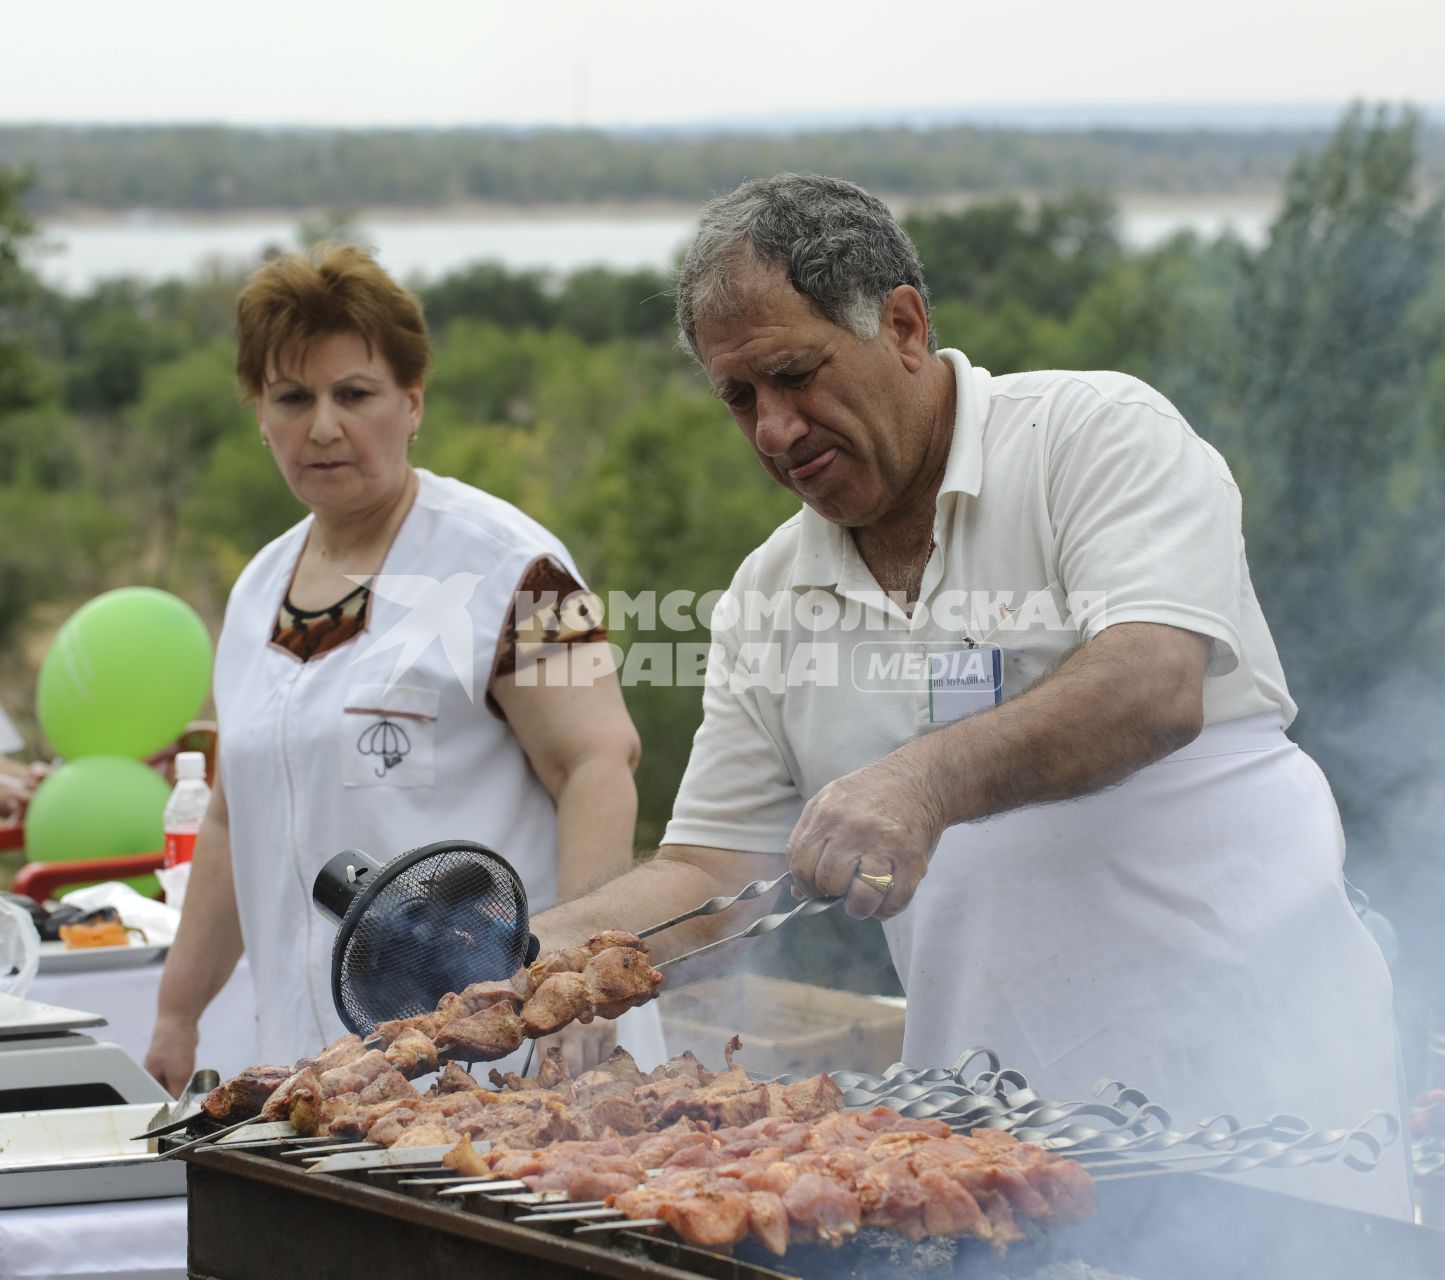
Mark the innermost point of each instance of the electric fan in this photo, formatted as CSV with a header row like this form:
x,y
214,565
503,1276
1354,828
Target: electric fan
x,y
430,921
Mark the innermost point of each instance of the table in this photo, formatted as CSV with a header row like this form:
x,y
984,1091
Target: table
x,y
127,1239
126,998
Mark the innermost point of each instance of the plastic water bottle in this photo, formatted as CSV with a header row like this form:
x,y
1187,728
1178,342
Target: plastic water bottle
x,y
184,811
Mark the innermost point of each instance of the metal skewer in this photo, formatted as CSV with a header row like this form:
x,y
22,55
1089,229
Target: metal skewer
x,y
811,907
209,1138
492,1185
626,1224
175,1126
590,1211
713,905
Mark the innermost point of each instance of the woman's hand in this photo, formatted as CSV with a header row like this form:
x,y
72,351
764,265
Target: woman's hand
x,y
171,1057
17,786
881,821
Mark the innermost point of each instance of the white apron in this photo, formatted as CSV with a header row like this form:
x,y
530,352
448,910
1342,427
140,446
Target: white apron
x,y
1189,928
310,768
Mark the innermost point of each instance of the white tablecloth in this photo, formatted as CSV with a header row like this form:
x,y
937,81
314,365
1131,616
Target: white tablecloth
x,y
128,1239
126,998
125,1240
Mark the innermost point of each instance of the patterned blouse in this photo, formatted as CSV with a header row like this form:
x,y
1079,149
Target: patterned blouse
x,y
541,625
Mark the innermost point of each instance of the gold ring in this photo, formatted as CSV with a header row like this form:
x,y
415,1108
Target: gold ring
x,y
883,883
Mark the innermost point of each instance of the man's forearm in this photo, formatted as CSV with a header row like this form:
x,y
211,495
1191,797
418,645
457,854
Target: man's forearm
x,y
1125,700
596,817
676,880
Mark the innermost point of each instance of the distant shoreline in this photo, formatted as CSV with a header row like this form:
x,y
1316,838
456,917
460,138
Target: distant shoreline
x,y
1144,202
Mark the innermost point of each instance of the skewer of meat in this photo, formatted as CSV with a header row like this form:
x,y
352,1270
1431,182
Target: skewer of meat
x,y
604,977
886,1174
485,1021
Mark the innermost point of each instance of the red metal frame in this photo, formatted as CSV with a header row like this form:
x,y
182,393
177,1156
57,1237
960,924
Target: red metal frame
x,y
39,880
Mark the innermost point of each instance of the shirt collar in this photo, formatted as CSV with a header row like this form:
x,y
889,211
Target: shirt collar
x,y
826,551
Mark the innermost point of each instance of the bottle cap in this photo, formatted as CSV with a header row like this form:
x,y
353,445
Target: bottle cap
x,y
190,764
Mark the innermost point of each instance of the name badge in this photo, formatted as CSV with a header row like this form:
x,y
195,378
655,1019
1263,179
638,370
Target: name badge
x,y
964,682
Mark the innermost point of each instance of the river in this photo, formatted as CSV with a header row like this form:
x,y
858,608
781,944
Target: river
x,y
76,254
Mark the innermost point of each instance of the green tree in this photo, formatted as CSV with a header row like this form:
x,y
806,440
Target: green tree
x,y
489,292
21,380
1044,257
110,339
186,408
1332,409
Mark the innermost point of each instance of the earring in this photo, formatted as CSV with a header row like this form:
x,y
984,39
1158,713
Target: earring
x,y
265,444
411,439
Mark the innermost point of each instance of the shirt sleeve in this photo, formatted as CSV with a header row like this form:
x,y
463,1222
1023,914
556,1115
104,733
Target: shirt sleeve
x,y
738,791
551,610
1147,524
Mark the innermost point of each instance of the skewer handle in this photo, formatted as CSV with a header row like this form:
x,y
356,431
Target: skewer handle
x,y
713,905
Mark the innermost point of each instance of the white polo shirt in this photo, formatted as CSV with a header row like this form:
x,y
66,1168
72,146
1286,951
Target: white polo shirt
x,y
1186,932
1070,502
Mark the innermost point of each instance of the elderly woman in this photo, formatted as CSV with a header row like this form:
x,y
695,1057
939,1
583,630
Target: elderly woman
x,y
368,686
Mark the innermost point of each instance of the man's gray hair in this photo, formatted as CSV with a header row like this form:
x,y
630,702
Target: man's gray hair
x,y
840,246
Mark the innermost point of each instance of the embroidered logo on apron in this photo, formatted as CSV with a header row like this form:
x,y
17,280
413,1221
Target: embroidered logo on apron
x,y
386,739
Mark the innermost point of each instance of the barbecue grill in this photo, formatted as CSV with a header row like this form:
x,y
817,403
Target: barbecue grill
x,y
370,1212
1183,1227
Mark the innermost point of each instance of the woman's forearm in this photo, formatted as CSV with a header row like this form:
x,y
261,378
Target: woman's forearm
x,y
208,943
596,818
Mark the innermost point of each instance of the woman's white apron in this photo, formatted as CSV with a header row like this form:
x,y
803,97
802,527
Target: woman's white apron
x,y
378,744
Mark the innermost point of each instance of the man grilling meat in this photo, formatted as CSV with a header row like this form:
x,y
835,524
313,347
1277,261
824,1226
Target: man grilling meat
x,y
1004,684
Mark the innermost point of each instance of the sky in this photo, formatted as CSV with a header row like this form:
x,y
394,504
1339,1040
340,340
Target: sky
x,y
670,62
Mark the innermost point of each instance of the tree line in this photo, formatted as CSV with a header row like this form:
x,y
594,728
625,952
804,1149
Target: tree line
x,y
1315,363
217,168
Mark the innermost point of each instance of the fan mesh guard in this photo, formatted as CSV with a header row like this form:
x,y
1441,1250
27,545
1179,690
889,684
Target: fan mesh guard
x,y
432,921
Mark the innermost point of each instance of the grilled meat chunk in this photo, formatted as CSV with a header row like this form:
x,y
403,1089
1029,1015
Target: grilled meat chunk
x,y
453,1079
483,995
558,1000
412,1053
482,1037
618,979
337,1054
307,1099
563,960
609,938
278,1105
243,1095
809,1099
354,1076
553,1073
429,1024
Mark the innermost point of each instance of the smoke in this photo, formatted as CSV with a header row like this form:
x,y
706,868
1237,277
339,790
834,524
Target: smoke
x,y
1393,751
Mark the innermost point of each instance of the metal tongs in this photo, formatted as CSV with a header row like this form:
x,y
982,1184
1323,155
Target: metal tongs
x,y
756,889
177,1115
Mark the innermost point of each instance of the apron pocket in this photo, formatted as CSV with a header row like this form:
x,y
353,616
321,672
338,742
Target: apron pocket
x,y
388,736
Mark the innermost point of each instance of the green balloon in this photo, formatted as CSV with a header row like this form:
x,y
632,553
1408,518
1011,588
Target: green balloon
x,y
125,675
97,807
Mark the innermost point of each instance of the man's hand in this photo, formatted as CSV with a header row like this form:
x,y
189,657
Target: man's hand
x,y
584,1044
171,1057
882,820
